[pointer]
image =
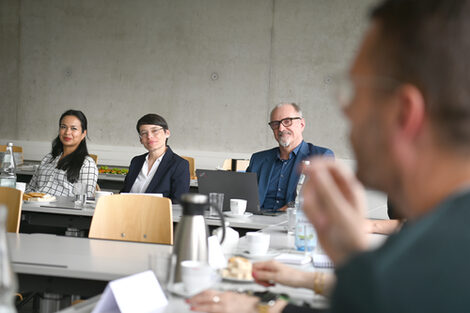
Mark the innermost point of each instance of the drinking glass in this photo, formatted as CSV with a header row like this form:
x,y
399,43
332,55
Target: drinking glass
x,y
216,203
162,264
291,219
79,190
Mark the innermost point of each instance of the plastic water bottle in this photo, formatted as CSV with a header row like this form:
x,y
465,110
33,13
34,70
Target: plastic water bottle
x,y
305,235
8,282
8,170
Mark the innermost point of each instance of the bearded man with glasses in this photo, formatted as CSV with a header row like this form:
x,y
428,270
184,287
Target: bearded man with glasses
x,y
277,168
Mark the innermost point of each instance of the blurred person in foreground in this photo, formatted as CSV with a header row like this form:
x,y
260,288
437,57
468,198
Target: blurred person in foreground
x,y
160,170
410,130
68,162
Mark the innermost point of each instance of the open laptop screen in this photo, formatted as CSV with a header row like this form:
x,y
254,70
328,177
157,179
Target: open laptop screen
x,y
234,185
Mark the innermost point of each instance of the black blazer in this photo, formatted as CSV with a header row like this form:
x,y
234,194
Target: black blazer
x,y
171,178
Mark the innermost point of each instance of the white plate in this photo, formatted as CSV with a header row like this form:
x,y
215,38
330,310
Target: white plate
x,y
53,199
271,254
178,289
230,214
236,280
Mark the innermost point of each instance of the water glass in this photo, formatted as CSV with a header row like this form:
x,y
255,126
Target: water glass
x,y
79,190
291,219
216,203
163,265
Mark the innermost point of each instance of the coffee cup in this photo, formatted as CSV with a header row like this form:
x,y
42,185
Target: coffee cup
x,y
257,243
100,193
196,276
238,206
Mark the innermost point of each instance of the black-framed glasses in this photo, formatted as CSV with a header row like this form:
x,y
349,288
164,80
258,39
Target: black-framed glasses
x,y
286,122
153,131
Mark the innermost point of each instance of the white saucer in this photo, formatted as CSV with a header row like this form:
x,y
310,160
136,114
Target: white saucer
x,y
230,214
178,289
271,254
41,200
236,280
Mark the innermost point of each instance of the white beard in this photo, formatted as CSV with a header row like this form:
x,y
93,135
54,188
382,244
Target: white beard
x,y
284,142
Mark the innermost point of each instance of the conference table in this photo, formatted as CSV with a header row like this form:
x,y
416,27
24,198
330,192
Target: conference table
x,y
55,217
71,265
82,266
282,243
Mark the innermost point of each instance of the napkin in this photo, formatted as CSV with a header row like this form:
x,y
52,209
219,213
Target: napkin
x,y
216,255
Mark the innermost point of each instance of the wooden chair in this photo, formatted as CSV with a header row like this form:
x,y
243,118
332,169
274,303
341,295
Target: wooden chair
x,y
192,167
13,199
238,165
94,157
141,218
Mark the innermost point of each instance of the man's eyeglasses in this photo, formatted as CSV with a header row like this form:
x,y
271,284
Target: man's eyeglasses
x,y
153,131
286,122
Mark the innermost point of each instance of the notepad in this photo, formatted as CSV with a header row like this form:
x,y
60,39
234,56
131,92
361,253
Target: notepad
x,y
322,260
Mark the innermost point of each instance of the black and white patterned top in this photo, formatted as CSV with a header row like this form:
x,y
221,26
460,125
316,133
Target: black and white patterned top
x,y
49,179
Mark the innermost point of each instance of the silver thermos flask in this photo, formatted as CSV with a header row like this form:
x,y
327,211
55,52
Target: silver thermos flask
x,y
192,232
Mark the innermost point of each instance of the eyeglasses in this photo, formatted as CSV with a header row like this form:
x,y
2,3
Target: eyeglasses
x,y
286,122
345,86
153,131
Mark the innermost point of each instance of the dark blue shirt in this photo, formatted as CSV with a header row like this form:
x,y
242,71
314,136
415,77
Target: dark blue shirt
x,y
278,181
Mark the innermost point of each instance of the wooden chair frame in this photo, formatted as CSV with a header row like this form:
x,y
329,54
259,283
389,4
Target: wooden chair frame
x,y
13,199
140,218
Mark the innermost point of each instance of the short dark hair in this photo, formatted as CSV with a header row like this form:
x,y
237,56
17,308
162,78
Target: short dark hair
x,y
151,119
427,43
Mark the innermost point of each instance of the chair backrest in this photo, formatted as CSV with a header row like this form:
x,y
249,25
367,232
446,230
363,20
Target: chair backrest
x,y
192,167
94,157
140,218
237,165
13,199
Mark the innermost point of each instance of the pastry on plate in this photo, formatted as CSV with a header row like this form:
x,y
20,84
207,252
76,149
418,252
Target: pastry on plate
x,y
38,196
238,268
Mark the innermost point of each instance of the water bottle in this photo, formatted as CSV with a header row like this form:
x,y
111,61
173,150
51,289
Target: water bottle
x,y
8,282
305,236
8,171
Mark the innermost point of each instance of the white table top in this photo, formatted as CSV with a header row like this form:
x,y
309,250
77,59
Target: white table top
x,y
65,206
78,257
107,260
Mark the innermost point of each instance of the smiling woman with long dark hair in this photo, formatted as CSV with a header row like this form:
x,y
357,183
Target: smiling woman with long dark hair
x,y
68,162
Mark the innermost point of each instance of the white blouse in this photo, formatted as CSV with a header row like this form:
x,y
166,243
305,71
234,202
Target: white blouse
x,y
145,177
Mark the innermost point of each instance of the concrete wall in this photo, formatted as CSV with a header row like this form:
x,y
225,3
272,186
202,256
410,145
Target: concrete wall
x,y
9,71
213,68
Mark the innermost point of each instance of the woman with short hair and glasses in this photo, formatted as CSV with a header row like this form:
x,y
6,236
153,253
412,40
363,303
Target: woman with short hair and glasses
x,y
160,170
68,162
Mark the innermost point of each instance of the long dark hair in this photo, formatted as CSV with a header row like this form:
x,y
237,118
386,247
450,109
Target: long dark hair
x,y
73,162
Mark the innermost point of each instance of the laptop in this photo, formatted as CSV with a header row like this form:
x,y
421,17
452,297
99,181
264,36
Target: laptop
x,y
234,185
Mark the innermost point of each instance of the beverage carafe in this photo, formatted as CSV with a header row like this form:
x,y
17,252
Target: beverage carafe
x,y
192,232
